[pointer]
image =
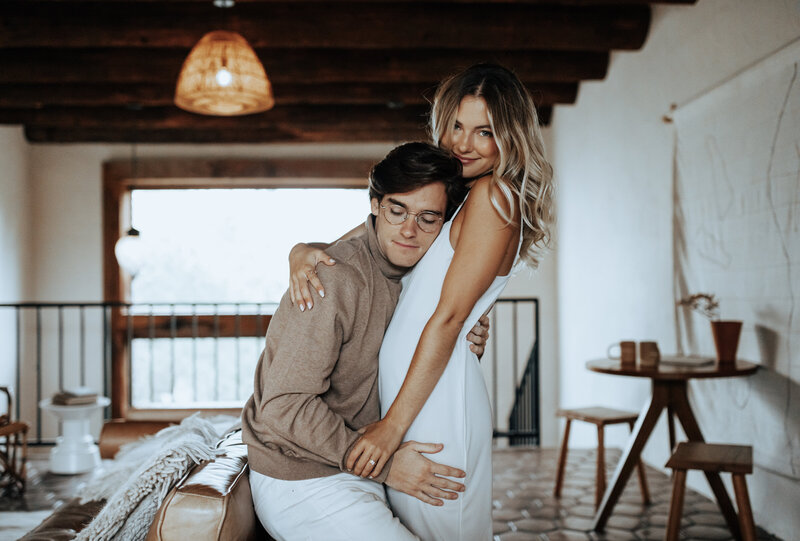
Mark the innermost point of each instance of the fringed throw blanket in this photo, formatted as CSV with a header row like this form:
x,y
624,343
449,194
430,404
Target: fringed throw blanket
x,y
142,475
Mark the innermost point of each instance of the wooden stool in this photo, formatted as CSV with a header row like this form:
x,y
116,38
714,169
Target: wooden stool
x,y
599,417
734,459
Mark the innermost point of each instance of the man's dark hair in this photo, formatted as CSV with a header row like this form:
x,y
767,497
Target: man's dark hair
x,y
414,165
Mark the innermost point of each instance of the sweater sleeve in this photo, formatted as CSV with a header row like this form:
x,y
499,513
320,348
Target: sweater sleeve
x,y
303,355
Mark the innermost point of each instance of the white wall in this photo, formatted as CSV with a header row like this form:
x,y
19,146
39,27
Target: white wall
x,y
14,238
613,160
14,218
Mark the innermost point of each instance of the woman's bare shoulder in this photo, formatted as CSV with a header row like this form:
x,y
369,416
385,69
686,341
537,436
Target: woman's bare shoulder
x,y
481,219
482,197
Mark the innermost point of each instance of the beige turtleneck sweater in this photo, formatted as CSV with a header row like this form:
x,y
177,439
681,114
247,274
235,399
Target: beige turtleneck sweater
x,y
316,381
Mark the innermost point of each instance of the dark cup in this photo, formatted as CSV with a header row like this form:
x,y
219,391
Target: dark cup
x,y
726,340
627,352
649,356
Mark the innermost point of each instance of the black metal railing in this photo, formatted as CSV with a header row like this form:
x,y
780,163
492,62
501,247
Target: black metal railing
x,y
523,423
202,356
523,426
39,337
199,355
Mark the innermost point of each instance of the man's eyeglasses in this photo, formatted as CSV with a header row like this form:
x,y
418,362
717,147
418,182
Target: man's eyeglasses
x,y
428,222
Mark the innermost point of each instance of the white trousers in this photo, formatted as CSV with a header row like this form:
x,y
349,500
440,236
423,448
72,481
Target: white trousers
x,y
340,507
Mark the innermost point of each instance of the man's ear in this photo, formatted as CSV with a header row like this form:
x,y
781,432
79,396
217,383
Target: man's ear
x,y
376,206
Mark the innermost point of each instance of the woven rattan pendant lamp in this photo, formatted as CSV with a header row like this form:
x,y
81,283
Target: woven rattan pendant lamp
x,y
222,76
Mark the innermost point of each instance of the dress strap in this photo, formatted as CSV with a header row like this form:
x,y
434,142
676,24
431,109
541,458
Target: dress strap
x,y
461,206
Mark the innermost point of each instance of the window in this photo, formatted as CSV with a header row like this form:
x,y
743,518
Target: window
x,y
231,245
217,237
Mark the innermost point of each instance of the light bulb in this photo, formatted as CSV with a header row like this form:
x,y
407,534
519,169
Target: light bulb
x,y
224,77
131,252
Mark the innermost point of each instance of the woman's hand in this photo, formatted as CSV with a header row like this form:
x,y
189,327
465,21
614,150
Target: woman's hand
x,y
379,442
479,335
303,260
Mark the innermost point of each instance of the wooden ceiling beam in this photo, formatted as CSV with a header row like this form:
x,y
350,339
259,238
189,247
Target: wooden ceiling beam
x,y
551,2
327,25
353,124
155,118
360,134
286,66
34,96
49,134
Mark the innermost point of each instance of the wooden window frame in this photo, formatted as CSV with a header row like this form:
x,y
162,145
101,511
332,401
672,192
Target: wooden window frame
x,y
190,173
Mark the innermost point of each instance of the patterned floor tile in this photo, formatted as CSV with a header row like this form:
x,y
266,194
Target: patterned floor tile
x,y
535,525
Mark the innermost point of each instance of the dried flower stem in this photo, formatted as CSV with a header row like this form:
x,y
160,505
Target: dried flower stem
x,y
704,303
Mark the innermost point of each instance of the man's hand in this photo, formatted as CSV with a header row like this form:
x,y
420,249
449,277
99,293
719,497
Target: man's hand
x,y
421,477
479,335
378,442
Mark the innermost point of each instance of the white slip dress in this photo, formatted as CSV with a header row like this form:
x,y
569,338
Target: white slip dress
x,y
457,413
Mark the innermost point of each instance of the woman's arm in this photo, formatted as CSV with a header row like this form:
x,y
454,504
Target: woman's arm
x,y
482,247
303,260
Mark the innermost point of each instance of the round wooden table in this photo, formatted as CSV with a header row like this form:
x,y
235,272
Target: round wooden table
x,y
669,390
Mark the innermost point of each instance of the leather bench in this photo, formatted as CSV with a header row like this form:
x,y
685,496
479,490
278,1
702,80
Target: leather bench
x,y
212,502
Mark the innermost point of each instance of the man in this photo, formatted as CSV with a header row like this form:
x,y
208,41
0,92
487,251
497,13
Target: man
x,y
316,382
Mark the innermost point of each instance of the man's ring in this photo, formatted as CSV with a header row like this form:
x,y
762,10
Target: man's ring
x,y
372,462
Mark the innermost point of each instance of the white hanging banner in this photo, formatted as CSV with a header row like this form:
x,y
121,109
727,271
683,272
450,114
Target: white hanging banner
x,y
737,235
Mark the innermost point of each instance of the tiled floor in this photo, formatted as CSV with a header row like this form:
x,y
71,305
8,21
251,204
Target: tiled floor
x,y
524,506
45,490
526,510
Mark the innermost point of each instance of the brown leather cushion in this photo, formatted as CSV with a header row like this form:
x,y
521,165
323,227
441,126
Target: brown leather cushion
x,y
212,502
65,522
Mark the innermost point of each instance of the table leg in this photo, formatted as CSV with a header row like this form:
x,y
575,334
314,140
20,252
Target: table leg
x,y
671,425
630,458
680,401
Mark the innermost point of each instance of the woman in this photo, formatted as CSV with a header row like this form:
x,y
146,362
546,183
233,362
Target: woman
x,y
432,388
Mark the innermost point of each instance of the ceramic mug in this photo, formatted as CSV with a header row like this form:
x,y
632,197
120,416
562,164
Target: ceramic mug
x,y
627,352
649,356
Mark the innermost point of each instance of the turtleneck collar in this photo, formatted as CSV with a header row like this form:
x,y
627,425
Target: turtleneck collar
x,y
387,268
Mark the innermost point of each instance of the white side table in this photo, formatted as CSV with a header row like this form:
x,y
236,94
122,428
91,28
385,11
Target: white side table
x,y
75,450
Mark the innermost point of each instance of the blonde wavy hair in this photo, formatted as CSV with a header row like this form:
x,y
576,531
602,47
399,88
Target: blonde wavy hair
x,y
522,173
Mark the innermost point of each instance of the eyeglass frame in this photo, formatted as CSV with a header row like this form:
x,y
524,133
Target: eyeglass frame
x,y
439,218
